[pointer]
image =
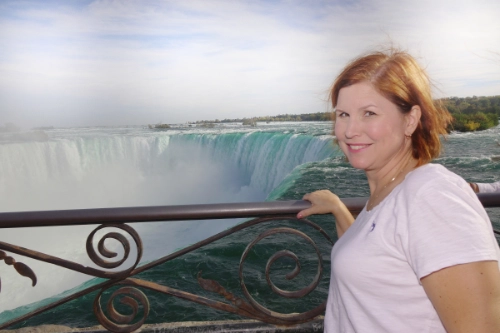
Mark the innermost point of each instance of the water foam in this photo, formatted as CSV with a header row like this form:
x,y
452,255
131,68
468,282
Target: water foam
x,y
91,168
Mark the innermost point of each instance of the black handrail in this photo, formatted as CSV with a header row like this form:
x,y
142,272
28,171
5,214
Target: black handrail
x,y
160,213
489,199
179,212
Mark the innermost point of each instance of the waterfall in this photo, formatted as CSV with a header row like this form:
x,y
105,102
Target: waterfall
x,y
94,168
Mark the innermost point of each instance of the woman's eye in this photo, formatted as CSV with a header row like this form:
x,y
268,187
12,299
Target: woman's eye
x,y
369,113
342,114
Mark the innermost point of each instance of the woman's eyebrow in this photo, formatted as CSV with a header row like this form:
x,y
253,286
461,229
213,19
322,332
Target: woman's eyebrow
x,y
367,106
360,108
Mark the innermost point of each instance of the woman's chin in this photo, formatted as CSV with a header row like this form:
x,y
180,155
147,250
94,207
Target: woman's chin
x,y
358,164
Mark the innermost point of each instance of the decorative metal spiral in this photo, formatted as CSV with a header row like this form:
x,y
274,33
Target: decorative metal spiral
x,y
288,294
103,251
117,322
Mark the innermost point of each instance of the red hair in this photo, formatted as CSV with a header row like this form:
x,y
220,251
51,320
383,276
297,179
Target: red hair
x,y
397,76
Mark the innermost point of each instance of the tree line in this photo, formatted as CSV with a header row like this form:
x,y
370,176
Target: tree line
x,y
469,114
473,113
318,116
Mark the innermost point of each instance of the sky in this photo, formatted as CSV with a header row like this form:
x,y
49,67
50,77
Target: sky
x,y
128,62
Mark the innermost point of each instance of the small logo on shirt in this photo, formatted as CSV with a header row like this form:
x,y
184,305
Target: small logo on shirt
x,y
373,226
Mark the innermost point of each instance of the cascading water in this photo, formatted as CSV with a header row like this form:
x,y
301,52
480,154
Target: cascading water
x,y
119,167
112,167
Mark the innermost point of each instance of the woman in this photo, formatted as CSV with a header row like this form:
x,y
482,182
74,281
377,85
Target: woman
x,y
421,256
485,187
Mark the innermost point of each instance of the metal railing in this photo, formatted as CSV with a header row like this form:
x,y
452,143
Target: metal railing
x,y
130,286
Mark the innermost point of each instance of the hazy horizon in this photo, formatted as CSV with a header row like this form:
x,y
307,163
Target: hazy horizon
x,y
111,63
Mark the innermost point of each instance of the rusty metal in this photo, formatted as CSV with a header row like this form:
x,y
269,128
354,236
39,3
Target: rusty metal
x,y
92,254
213,286
57,303
287,318
289,254
108,254
133,297
252,310
239,307
227,233
21,268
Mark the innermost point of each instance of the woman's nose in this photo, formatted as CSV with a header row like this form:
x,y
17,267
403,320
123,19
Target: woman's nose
x,y
352,128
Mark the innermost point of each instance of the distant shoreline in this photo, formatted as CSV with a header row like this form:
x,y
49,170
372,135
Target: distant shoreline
x,y
469,114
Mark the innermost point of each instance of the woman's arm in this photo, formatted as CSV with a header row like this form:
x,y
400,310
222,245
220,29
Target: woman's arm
x,y
488,187
324,202
466,297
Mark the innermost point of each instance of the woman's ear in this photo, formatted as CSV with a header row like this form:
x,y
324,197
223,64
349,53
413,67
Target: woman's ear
x,y
412,119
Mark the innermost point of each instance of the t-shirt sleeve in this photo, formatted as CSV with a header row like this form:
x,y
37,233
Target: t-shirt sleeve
x,y
447,226
489,187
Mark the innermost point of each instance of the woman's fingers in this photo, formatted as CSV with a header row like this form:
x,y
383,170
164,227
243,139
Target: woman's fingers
x,y
304,213
321,203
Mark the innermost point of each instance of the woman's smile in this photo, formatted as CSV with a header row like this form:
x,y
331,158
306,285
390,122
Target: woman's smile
x,y
357,147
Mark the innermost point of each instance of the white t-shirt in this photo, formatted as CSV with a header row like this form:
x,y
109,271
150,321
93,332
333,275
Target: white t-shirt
x,y
488,187
430,221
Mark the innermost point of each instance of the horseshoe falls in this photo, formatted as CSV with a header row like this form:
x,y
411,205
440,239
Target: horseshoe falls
x,y
76,168
79,168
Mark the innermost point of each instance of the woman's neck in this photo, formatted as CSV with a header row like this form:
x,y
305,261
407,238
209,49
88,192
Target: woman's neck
x,y
383,181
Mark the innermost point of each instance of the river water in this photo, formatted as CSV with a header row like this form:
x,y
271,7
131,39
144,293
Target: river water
x,y
75,168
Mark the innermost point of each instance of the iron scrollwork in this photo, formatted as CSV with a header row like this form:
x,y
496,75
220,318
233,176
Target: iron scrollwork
x,y
130,295
109,254
244,307
133,298
252,308
21,268
293,318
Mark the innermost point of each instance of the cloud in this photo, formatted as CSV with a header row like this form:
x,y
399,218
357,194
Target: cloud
x,y
127,62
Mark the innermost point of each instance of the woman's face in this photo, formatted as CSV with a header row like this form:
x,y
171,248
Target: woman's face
x,y
370,129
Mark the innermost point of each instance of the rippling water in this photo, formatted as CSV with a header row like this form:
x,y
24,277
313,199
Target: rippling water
x,y
135,166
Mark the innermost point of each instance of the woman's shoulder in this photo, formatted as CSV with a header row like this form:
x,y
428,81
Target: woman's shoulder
x,y
433,190
433,176
434,183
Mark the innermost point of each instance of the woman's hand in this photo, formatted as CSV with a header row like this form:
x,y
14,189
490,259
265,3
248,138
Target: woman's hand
x,y
474,187
324,202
